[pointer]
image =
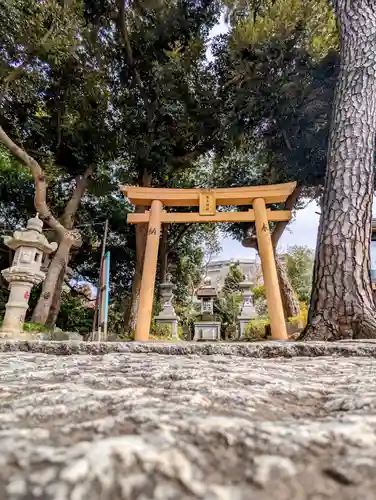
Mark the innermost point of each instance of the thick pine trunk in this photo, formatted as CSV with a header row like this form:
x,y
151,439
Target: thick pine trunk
x,y
290,303
342,305
59,262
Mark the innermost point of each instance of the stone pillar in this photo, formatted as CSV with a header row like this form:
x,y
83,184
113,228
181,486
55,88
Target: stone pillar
x,y
247,309
168,315
29,245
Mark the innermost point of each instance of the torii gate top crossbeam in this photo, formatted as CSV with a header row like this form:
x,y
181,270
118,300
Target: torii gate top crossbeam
x,y
276,193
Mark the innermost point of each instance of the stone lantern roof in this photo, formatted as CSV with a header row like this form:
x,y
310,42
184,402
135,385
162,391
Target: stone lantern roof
x,y
32,236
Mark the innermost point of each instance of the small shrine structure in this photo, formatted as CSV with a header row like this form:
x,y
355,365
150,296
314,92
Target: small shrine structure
x,y
207,328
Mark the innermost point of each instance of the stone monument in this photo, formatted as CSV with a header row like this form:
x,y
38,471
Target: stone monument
x,y
29,245
207,328
247,309
168,315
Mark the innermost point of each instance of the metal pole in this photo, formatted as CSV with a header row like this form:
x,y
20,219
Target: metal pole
x,y
98,297
106,294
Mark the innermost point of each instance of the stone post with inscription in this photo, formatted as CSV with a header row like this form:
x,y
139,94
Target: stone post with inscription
x,y
29,245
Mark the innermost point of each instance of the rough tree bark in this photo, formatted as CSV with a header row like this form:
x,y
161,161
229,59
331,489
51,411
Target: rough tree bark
x,y
290,303
59,262
56,301
342,305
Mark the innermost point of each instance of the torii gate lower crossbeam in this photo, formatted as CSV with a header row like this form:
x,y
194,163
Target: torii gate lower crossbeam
x,y
207,201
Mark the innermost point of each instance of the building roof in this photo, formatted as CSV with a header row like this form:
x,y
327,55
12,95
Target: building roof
x,y
228,262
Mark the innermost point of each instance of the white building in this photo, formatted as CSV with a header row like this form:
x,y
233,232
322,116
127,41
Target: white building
x,y
218,270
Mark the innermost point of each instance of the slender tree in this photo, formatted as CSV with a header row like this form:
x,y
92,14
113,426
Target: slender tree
x,y
54,116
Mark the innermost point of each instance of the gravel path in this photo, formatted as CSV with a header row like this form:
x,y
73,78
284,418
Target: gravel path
x,y
152,425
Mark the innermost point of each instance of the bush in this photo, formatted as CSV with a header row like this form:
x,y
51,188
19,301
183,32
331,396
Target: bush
x,y
255,329
259,300
160,332
35,327
231,332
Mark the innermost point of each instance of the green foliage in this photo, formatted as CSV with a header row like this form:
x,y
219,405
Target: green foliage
x,y
162,332
233,279
259,300
74,315
277,69
257,22
35,327
258,292
255,329
299,267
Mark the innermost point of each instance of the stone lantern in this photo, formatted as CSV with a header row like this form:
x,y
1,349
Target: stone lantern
x,y
29,245
207,329
247,309
168,315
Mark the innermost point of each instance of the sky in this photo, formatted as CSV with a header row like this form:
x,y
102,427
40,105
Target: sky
x,y
301,231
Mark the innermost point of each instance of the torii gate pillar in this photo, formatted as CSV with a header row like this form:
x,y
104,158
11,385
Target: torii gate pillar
x,y
145,306
269,271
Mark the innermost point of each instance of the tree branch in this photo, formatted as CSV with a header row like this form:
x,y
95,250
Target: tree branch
x,y
281,226
178,238
12,75
71,207
39,181
250,241
122,25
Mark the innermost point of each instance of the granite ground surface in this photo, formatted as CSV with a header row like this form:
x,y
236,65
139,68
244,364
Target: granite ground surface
x,y
166,422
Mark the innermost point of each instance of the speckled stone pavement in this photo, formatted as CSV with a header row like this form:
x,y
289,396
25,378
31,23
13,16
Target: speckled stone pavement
x,y
284,421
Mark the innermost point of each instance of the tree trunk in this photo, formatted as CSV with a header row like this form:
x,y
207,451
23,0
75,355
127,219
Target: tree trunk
x,y
290,303
341,304
141,232
71,238
59,262
56,301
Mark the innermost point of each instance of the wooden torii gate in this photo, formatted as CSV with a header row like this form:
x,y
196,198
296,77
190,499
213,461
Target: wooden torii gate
x,y
207,201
